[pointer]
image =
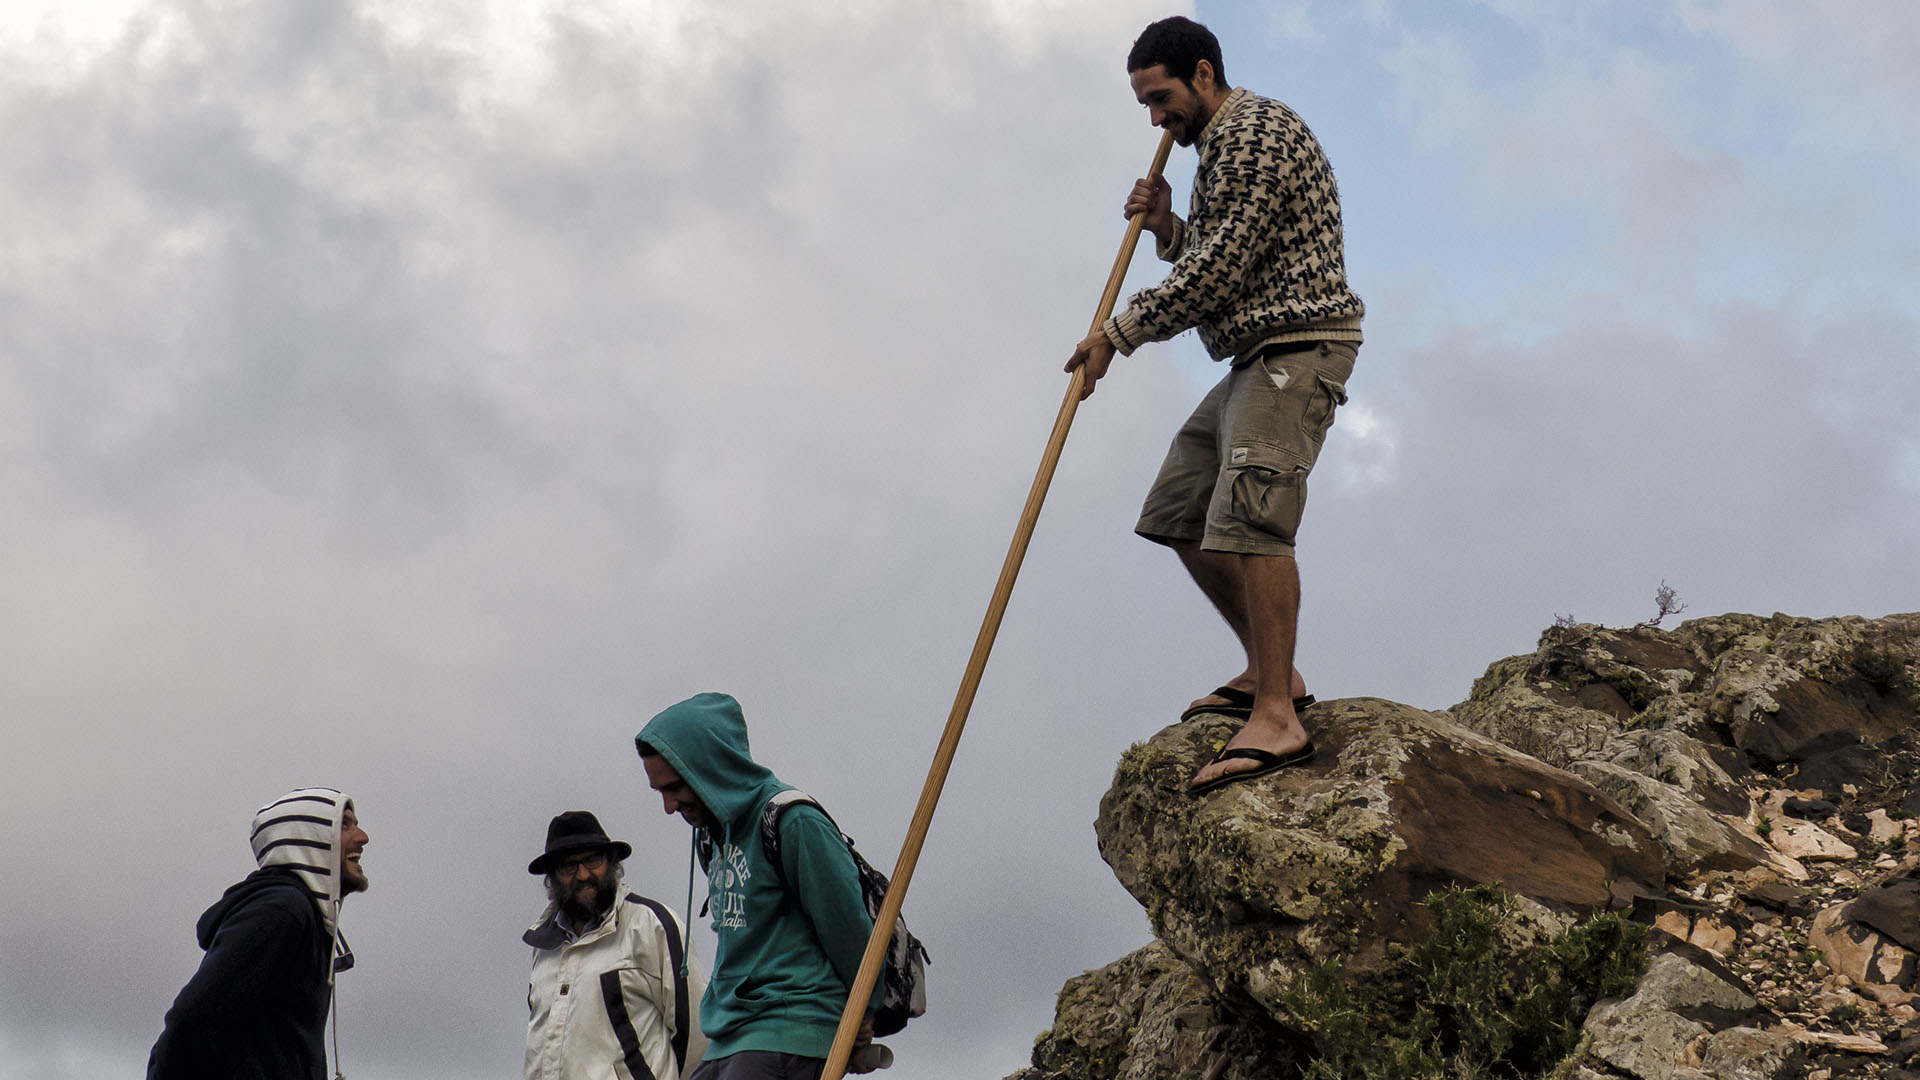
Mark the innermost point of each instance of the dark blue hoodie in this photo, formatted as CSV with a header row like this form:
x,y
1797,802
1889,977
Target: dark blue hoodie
x,y
257,1007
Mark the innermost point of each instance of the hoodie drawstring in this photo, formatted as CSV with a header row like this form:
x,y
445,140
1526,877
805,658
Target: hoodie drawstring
x,y
686,924
338,1072
333,990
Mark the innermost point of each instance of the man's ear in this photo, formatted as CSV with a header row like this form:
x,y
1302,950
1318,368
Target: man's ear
x,y
1203,76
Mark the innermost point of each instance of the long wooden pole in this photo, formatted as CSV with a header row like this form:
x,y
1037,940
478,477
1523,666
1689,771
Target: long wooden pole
x,y
856,1009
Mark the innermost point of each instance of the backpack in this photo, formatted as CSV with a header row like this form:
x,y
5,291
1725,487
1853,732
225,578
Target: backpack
x,y
903,972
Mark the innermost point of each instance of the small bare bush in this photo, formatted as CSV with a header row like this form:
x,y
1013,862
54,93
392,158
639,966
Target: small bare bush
x,y
1666,602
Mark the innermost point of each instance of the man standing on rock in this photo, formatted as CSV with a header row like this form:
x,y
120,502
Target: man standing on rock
x,y
1259,268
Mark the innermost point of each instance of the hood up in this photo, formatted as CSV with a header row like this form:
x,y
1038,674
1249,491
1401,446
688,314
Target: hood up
x,y
300,832
704,738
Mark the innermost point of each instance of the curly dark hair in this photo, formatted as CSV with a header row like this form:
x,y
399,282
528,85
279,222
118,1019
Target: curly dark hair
x,y
1180,44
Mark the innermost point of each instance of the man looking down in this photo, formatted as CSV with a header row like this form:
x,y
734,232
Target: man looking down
x,y
791,934
1258,267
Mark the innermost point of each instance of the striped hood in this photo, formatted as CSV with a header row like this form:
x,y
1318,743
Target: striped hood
x,y
301,832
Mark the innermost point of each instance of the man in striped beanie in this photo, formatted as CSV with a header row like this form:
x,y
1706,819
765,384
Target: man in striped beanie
x,y
257,1007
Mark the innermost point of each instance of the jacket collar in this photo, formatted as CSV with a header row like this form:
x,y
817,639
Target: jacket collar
x,y
546,932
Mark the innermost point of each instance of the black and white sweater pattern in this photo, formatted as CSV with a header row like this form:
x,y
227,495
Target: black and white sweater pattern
x,y
1261,257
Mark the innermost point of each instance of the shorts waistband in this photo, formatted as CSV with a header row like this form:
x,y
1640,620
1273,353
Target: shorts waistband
x,y
1285,347
1278,348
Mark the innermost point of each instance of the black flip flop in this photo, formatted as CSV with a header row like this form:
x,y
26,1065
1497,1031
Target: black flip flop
x,y
1235,698
1239,704
1266,760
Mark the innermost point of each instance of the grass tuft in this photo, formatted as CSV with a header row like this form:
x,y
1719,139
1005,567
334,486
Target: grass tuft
x,y
1467,1001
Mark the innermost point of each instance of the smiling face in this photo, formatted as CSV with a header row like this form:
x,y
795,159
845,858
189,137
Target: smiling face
x,y
353,840
676,797
1181,106
583,885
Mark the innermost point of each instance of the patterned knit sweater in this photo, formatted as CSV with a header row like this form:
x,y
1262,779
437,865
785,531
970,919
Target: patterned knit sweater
x,y
1261,258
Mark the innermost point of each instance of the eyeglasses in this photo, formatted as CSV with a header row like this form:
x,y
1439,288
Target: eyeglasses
x,y
566,868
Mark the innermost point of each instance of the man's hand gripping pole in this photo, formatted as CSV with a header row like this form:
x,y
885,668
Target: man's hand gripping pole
x,y
856,1009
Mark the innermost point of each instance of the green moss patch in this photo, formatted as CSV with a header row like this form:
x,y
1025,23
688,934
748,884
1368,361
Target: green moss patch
x,y
1468,1001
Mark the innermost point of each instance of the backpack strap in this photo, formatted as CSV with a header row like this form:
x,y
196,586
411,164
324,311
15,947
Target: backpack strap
x,y
679,975
703,846
770,812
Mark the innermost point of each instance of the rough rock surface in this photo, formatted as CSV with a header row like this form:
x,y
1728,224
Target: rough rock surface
x,y
1744,1053
1874,938
1700,713
1329,861
1690,835
1702,733
1859,952
1892,908
1805,842
1647,1034
1141,1017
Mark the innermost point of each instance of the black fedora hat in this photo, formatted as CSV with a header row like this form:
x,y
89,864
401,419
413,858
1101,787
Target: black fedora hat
x,y
575,830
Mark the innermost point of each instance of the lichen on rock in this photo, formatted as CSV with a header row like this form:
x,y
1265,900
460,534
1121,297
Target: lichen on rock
x,y
1296,913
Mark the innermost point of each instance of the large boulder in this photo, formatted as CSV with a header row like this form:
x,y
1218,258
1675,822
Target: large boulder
x,y
1676,724
1646,1035
1875,938
1892,908
1142,1017
1256,883
1779,690
1609,767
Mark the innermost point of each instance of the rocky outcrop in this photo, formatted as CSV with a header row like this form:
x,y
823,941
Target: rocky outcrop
x,y
1253,883
1142,1017
1678,724
1744,784
1252,887
1774,695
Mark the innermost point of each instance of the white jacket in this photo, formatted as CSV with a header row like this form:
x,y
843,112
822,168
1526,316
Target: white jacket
x,y
611,1005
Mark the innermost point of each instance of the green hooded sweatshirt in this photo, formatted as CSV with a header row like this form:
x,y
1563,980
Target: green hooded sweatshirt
x,y
787,955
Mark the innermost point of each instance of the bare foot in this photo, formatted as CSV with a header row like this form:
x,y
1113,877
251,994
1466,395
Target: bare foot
x,y
1263,731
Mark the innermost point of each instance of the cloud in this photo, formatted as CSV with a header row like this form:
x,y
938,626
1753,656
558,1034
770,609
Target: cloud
x,y
381,426
1833,67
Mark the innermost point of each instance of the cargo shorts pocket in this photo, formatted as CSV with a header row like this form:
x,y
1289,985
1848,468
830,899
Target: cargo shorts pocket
x,y
1327,397
1264,502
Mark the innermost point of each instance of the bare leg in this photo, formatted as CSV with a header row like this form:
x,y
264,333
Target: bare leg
x,y
1272,599
1222,578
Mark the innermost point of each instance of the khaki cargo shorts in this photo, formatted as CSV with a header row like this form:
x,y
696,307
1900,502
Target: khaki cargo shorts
x,y
1235,478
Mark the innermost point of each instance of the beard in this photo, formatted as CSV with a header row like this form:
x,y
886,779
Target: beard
x,y
584,901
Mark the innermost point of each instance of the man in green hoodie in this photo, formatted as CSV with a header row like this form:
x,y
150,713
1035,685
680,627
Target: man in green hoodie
x,y
790,936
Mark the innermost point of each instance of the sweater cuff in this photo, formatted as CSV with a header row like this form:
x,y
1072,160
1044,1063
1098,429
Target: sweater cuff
x,y
1170,250
1123,330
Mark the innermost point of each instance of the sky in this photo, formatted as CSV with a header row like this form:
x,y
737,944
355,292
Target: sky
x,y
414,398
